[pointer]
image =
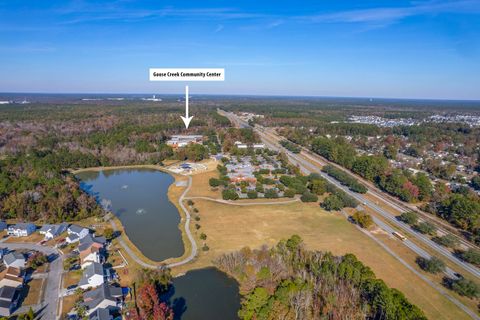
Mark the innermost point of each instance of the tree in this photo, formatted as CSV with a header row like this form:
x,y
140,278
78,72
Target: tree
x,y
36,260
109,233
309,197
229,194
409,217
475,183
463,287
448,241
332,202
318,186
432,265
472,256
363,219
203,236
150,306
426,228
214,182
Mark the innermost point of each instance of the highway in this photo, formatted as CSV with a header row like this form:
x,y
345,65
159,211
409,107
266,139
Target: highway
x,y
308,167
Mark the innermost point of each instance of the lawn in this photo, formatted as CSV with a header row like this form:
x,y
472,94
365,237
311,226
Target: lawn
x,y
33,238
71,278
32,292
230,228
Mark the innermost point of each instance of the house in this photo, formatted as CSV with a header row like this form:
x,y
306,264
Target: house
x,y
8,300
93,276
12,277
90,255
75,233
51,231
101,314
104,297
14,259
21,229
3,225
89,241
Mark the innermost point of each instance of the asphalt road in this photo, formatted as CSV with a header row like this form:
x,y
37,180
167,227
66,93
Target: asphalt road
x,y
49,304
308,167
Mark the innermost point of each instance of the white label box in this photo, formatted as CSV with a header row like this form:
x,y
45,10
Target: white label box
x,y
187,74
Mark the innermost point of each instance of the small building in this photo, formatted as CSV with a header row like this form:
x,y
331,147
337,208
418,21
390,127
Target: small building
x,y
258,146
104,297
179,141
8,300
92,277
3,225
76,232
21,229
51,231
14,259
89,241
12,277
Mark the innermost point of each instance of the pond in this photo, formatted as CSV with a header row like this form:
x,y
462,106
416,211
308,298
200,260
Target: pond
x,y
205,294
138,197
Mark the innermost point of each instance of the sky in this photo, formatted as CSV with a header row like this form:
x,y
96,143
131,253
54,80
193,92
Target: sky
x,y
396,49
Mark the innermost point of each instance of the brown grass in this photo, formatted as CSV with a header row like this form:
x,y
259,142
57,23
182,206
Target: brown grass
x,y
230,228
71,278
33,290
68,304
33,238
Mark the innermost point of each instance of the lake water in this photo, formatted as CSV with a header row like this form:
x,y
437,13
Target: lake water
x,y
139,199
205,294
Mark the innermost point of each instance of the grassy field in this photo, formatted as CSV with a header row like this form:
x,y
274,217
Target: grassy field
x,y
230,228
71,278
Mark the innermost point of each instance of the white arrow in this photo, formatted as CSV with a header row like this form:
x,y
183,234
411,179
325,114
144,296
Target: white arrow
x,y
186,119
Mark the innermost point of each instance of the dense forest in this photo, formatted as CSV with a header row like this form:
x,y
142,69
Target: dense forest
x,y
291,282
39,143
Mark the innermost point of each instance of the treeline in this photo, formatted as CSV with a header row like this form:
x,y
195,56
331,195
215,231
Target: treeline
x,y
345,179
290,282
292,147
231,135
407,187
34,186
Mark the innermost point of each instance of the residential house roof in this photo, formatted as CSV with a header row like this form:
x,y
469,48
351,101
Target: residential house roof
x,y
7,293
91,270
12,257
104,292
76,228
101,314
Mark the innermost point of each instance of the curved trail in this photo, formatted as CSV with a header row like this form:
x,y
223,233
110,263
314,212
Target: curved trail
x,y
193,251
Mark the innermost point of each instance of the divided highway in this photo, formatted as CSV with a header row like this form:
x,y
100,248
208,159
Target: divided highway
x,y
308,167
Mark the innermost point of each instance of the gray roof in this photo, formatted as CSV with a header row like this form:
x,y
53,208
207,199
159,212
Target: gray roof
x,y
7,293
88,240
3,225
91,270
103,292
24,226
101,314
76,228
12,257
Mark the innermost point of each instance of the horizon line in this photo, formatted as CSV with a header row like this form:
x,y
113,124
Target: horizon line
x,y
248,95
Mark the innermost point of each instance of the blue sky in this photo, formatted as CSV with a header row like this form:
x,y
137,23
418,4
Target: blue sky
x,y
398,49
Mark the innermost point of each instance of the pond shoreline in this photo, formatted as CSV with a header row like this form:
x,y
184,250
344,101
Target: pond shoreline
x,y
173,196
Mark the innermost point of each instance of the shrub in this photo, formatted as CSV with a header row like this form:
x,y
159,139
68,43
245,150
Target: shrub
x,y
363,219
289,193
214,182
252,194
432,265
309,197
203,236
205,247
